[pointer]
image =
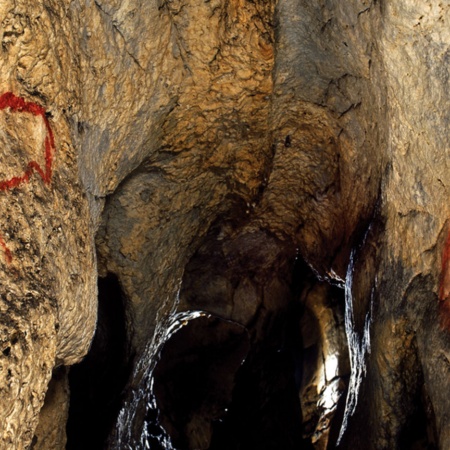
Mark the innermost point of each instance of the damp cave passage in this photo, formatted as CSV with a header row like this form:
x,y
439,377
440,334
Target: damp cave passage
x,y
265,413
216,387
216,391
194,378
96,383
285,393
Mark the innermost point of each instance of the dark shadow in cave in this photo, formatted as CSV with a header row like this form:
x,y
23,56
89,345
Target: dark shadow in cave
x,y
208,399
252,278
97,382
420,432
194,378
265,413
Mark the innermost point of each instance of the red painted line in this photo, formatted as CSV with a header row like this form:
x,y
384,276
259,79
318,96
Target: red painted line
x,y
444,286
6,250
20,105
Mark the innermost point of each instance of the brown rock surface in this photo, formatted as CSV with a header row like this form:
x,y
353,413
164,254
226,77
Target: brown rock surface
x,y
237,157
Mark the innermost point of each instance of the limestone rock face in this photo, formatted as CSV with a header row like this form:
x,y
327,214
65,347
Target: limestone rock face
x,y
272,174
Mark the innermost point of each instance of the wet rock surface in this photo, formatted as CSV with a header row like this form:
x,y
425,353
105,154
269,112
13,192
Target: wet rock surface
x,y
194,378
261,188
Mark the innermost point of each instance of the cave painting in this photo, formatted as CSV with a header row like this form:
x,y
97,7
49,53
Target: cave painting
x,y
20,105
444,288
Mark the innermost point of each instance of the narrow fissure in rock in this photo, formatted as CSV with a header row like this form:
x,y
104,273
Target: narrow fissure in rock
x,y
97,382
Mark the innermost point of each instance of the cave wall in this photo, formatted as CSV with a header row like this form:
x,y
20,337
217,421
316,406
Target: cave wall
x,y
407,273
197,152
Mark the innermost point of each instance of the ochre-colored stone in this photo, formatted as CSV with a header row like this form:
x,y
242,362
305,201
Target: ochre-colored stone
x,y
199,151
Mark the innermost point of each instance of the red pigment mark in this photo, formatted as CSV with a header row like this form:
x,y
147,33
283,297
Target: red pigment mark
x,y
7,251
18,104
444,288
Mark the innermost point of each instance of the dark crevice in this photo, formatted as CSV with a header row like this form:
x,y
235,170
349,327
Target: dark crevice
x,y
255,292
265,413
194,378
97,382
420,431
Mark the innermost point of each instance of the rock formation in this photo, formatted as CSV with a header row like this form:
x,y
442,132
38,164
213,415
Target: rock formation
x,y
225,224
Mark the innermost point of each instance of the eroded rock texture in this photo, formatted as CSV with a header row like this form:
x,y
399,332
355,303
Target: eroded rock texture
x,y
254,193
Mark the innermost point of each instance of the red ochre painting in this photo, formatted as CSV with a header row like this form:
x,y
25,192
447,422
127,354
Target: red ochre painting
x,y
444,288
20,105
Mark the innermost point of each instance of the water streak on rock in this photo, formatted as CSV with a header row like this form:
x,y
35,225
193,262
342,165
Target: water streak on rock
x,y
359,346
138,425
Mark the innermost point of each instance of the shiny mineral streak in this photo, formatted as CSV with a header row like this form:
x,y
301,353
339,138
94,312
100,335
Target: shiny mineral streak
x,y
358,346
175,322
143,396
